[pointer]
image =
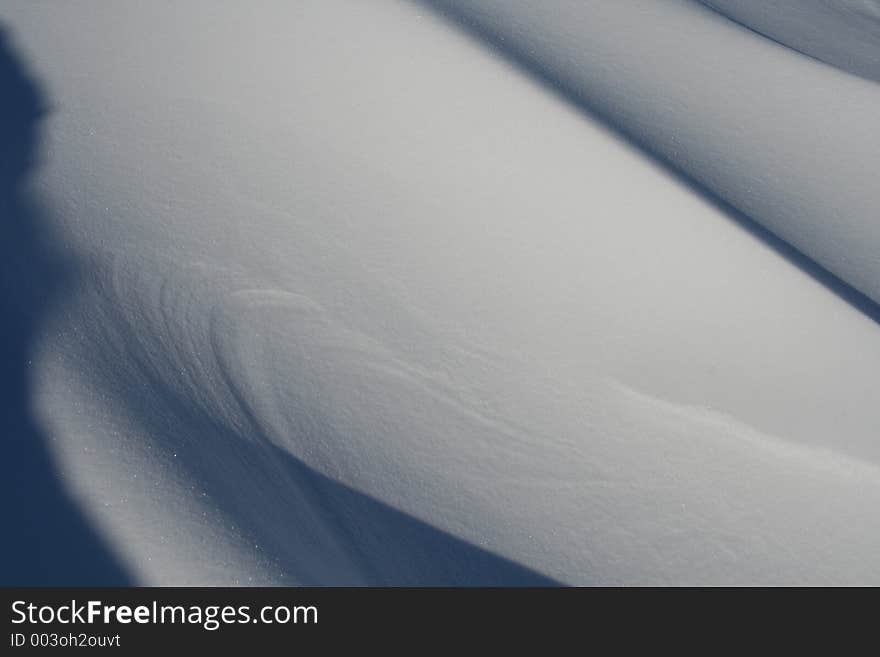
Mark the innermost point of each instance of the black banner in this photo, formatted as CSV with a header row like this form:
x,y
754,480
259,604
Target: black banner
x,y
131,620
123,619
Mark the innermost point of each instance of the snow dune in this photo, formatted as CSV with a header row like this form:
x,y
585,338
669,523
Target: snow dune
x,y
788,142
355,300
843,33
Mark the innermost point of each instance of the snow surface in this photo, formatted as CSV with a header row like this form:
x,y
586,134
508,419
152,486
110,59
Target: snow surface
x,y
369,293
790,144
843,33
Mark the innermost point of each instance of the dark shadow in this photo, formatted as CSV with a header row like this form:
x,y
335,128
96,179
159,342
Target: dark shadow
x,y
313,530
396,549
45,538
518,53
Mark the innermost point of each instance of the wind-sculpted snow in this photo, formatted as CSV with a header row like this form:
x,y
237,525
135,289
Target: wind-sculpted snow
x,y
843,33
789,142
363,305
237,386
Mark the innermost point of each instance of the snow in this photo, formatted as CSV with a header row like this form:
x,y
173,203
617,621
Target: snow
x,y
788,143
843,33
357,296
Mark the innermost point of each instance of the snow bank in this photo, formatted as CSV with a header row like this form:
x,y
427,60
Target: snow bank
x,y
843,33
358,302
787,141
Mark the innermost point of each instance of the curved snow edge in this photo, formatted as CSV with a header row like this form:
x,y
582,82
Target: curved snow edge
x,y
787,141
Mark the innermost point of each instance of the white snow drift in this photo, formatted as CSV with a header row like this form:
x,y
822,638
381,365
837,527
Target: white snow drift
x,y
361,300
843,33
792,144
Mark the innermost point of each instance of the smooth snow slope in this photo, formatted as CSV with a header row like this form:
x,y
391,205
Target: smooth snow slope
x,y
358,302
788,141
